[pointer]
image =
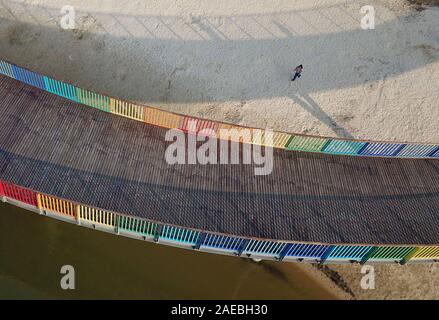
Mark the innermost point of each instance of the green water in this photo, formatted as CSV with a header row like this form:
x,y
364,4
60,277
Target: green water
x,y
33,248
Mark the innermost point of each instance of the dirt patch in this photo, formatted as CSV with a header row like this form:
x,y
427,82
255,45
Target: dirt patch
x,y
86,23
20,35
430,51
336,278
421,4
425,2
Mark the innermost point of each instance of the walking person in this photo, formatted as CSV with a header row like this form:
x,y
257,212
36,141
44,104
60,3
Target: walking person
x,y
298,70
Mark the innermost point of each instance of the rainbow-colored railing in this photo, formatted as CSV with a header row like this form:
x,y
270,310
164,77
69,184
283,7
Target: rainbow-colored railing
x,y
282,140
202,240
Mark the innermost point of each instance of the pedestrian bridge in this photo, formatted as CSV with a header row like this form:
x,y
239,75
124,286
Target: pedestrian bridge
x,y
97,161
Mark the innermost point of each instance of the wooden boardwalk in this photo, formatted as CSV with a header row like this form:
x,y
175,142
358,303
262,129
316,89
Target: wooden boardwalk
x,y
59,147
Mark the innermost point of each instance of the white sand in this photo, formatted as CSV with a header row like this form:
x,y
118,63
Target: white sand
x,y
232,60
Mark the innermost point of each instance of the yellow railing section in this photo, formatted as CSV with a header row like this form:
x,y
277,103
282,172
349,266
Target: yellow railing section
x,y
126,109
56,205
95,215
427,253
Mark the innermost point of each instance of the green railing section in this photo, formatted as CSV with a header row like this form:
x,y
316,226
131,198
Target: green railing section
x,y
94,100
390,253
311,144
135,225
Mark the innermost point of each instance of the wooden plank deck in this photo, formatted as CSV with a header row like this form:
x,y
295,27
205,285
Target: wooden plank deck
x,y
65,149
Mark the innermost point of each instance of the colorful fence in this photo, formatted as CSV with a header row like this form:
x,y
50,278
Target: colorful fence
x,y
213,242
170,120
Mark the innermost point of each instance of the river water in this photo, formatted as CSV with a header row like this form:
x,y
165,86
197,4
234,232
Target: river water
x,y
33,248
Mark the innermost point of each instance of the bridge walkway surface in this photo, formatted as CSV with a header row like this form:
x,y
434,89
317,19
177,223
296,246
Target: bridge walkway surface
x,y
74,152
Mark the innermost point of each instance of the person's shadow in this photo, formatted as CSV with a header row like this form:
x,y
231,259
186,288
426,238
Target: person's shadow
x,y
303,99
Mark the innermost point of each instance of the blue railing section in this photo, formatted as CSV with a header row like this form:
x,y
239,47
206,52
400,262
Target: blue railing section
x,y
435,153
417,150
349,252
381,149
264,247
60,88
222,242
28,77
300,250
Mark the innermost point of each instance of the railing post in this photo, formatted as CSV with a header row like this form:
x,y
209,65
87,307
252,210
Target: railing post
x,y
395,153
158,232
2,192
242,246
362,148
410,255
116,224
285,251
39,203
288,141
433,152
368,255
200,241
326,254
78,214
325,145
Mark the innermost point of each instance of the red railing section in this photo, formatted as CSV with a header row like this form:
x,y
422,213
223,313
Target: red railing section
x,y
18,193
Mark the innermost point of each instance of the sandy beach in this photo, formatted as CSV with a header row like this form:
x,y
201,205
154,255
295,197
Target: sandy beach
x,y
232,61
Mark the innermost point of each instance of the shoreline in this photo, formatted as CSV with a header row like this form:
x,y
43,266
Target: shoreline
x,y
324,280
